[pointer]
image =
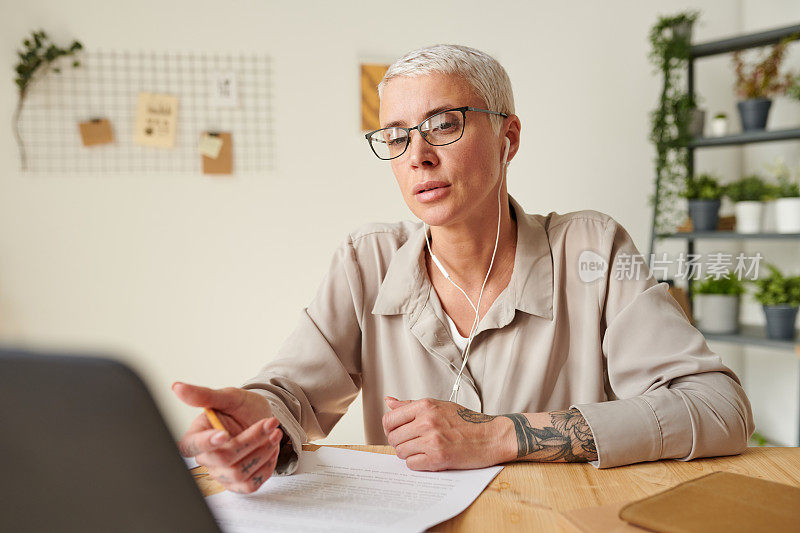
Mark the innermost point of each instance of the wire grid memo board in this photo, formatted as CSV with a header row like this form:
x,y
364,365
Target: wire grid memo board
x,y
107,85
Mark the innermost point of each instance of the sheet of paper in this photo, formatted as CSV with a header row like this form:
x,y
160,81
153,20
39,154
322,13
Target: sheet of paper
x,y
345,490
224,91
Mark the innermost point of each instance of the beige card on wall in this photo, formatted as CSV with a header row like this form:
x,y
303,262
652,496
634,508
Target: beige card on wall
x,y
156,120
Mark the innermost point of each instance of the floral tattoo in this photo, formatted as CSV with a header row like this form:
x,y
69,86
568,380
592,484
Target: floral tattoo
x,y
569,439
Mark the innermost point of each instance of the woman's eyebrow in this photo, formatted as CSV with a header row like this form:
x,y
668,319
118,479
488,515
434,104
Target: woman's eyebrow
x,y
427,114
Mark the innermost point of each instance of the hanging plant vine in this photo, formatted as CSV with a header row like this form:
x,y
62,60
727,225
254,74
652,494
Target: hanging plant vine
x,y
38,57
670,39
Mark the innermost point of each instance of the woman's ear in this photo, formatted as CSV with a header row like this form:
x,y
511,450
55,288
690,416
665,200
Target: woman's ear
x,y
512,135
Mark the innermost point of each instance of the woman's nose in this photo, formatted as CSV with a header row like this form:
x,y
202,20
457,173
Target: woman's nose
x,y
420,152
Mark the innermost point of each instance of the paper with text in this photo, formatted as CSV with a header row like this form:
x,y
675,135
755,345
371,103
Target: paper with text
x,y
345,490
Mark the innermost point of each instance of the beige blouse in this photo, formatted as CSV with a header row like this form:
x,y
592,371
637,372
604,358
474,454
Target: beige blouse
x,y
570,330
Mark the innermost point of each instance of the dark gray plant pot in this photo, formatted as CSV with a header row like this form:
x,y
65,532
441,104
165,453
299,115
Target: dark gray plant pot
x,y
704,214
697,122
780,321
754,113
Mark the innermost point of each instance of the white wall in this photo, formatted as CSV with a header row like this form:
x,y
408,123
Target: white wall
x,y
201,279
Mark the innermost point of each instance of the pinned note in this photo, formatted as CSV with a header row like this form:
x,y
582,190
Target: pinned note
x,y
96,131
224,92
156,120
223,163
210,145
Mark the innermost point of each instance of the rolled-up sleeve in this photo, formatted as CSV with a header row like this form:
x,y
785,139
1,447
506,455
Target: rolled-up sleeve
x,y
317,371
672,397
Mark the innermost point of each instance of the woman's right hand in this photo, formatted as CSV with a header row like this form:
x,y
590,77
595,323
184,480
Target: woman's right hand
x,y
242,458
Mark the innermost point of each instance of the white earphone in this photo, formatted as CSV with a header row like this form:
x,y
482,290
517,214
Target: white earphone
x,y
441,268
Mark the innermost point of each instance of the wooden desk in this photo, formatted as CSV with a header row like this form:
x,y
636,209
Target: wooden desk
x,y
530,496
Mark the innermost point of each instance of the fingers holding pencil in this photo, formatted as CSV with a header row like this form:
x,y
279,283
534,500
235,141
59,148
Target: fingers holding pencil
x,y
227,413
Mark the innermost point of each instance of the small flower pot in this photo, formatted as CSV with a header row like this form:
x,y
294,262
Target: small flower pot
x,y
719,127
697,122
787,215
754,113
780,321
717,313
748,216
684,29
704,214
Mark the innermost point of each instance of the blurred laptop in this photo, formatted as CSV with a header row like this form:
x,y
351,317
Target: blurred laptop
x,y
84,448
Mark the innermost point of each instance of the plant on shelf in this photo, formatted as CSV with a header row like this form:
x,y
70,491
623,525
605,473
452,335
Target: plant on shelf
x,y
670,39
793,90
719,125
717,304
758,82
786,192
748,195
704,194
39,56
779,296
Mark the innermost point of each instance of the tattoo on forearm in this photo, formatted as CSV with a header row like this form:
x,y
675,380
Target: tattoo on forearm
x,y
569,439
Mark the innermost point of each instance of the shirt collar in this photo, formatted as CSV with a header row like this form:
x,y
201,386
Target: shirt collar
x,y
406,288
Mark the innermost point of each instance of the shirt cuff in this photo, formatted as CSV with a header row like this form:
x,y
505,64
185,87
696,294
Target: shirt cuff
x,y
293,435
625,431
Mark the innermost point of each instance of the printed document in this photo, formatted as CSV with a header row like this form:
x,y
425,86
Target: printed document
x,y
344,490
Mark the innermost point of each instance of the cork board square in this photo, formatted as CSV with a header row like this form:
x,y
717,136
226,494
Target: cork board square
x,y
223,164
97,131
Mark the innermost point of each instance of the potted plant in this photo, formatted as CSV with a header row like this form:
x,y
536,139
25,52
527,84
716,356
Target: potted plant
x,y
719,125
697,118
670,40
748,195
787,198
703,193
755,84
779,295
717,302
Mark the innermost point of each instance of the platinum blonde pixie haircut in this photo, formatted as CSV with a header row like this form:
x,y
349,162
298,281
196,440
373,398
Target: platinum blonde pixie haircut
x,y
486,75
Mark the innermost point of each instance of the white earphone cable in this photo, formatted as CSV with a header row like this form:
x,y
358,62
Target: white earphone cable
x,y
474,328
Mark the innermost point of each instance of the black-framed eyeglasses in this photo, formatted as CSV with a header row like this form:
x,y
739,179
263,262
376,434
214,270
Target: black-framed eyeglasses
x,y
445,127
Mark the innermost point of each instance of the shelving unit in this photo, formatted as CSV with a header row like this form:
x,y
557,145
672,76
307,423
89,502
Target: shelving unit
x,y
748,335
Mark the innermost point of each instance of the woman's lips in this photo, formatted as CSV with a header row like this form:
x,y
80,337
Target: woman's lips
x,y
433,194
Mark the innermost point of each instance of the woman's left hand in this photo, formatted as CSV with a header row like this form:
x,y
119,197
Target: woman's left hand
x,y
435,435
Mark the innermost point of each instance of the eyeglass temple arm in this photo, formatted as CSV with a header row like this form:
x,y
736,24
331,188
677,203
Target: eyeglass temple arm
x,y
487,111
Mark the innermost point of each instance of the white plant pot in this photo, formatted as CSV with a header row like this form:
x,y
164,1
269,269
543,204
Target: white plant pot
x,y
717,313
748,216
719,127
787,215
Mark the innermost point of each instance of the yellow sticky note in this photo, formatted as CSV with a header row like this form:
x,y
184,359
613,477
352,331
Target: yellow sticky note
x,y
210,145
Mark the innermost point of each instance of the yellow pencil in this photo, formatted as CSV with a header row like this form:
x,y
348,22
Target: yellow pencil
x,y
214,419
